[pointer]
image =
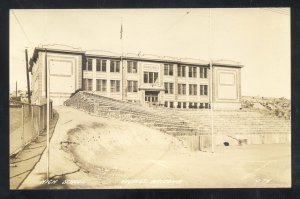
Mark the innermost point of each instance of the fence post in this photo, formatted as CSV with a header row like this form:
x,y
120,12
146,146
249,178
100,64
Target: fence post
x,y
39,124
32,120
43,112
22,137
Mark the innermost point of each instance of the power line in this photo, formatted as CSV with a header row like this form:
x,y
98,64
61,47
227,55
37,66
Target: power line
x,y
188,12
22,28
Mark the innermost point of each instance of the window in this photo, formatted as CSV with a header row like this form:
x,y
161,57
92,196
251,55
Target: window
x,y
184,104
190,105
181,89
192,71
203,72
131,66
206,105
100,65
195,105
114,86
150,77
203,89
201,105
87,84
181,71
168,69
171,104
101,85
166,103
132,86
179,105
193,89
89,65
169,88
114,66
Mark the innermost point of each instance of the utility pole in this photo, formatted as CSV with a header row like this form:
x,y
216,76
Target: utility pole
x,y
48,111
27,74
211,82
122,67
16,89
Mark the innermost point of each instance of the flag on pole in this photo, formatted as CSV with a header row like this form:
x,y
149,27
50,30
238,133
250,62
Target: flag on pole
x,y
121,31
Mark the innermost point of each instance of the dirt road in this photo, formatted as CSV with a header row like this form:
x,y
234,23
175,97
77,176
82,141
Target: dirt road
x,y
93,152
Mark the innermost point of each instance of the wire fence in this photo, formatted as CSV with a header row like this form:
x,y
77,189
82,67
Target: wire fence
x,y
26,122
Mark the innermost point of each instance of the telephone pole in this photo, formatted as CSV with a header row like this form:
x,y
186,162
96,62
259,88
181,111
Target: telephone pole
x,y
27,75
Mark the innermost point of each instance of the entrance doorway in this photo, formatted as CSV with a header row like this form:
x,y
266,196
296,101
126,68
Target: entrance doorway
x,y
151,97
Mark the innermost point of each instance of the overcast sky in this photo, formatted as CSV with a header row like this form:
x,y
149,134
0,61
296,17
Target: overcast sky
x,y
258,38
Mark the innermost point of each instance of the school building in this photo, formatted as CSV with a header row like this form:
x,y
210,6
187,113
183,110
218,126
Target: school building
x,y
149,80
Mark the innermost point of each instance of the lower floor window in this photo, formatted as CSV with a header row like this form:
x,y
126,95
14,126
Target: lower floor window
x,y
179,105
114,86
171,104
101,85
204,105
166,104
87,84
132,86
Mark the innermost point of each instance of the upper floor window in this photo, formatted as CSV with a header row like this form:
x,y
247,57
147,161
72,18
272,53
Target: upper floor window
x,y
203,89
181,71
193,71
114,86
169,88
131,66
101,85
193,89
168,69
150,77
132,86
181,89
100,65
114,66
203,72
89,65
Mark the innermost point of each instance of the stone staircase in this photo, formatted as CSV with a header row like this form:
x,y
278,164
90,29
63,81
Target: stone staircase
x,y
234,126
126,111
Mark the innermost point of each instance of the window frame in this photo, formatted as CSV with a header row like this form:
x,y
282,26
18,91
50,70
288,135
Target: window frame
x,y
131,66
102,86
114,86
89,64
115,65
132,86
203,90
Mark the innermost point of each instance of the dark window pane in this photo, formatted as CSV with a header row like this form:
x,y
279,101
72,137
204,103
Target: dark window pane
x,y
145,77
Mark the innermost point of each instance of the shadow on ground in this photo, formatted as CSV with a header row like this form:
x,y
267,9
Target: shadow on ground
x,y
24,162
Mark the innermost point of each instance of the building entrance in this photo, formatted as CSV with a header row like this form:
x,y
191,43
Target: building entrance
x,y
151,97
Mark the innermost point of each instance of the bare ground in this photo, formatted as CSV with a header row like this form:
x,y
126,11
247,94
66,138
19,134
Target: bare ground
x,y
92,152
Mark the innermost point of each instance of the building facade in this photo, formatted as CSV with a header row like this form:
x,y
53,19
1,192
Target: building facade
x,y
173,83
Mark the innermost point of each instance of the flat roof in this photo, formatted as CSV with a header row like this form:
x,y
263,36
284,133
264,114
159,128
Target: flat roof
x,y
135,57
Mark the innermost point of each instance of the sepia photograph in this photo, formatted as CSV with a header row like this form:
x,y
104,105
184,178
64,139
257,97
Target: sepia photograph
x,y
149,98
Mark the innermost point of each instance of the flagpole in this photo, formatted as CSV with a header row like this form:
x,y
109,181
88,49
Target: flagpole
x,y
211,83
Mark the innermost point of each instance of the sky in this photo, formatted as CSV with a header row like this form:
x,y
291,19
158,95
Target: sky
x,y
258,38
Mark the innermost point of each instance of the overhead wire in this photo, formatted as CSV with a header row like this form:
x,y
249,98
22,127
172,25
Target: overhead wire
x,y
21,26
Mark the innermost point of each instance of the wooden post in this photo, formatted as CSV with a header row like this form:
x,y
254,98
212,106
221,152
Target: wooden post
x,y
48,113
39,124
22,137
16,89
32,120
27,75
211,82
